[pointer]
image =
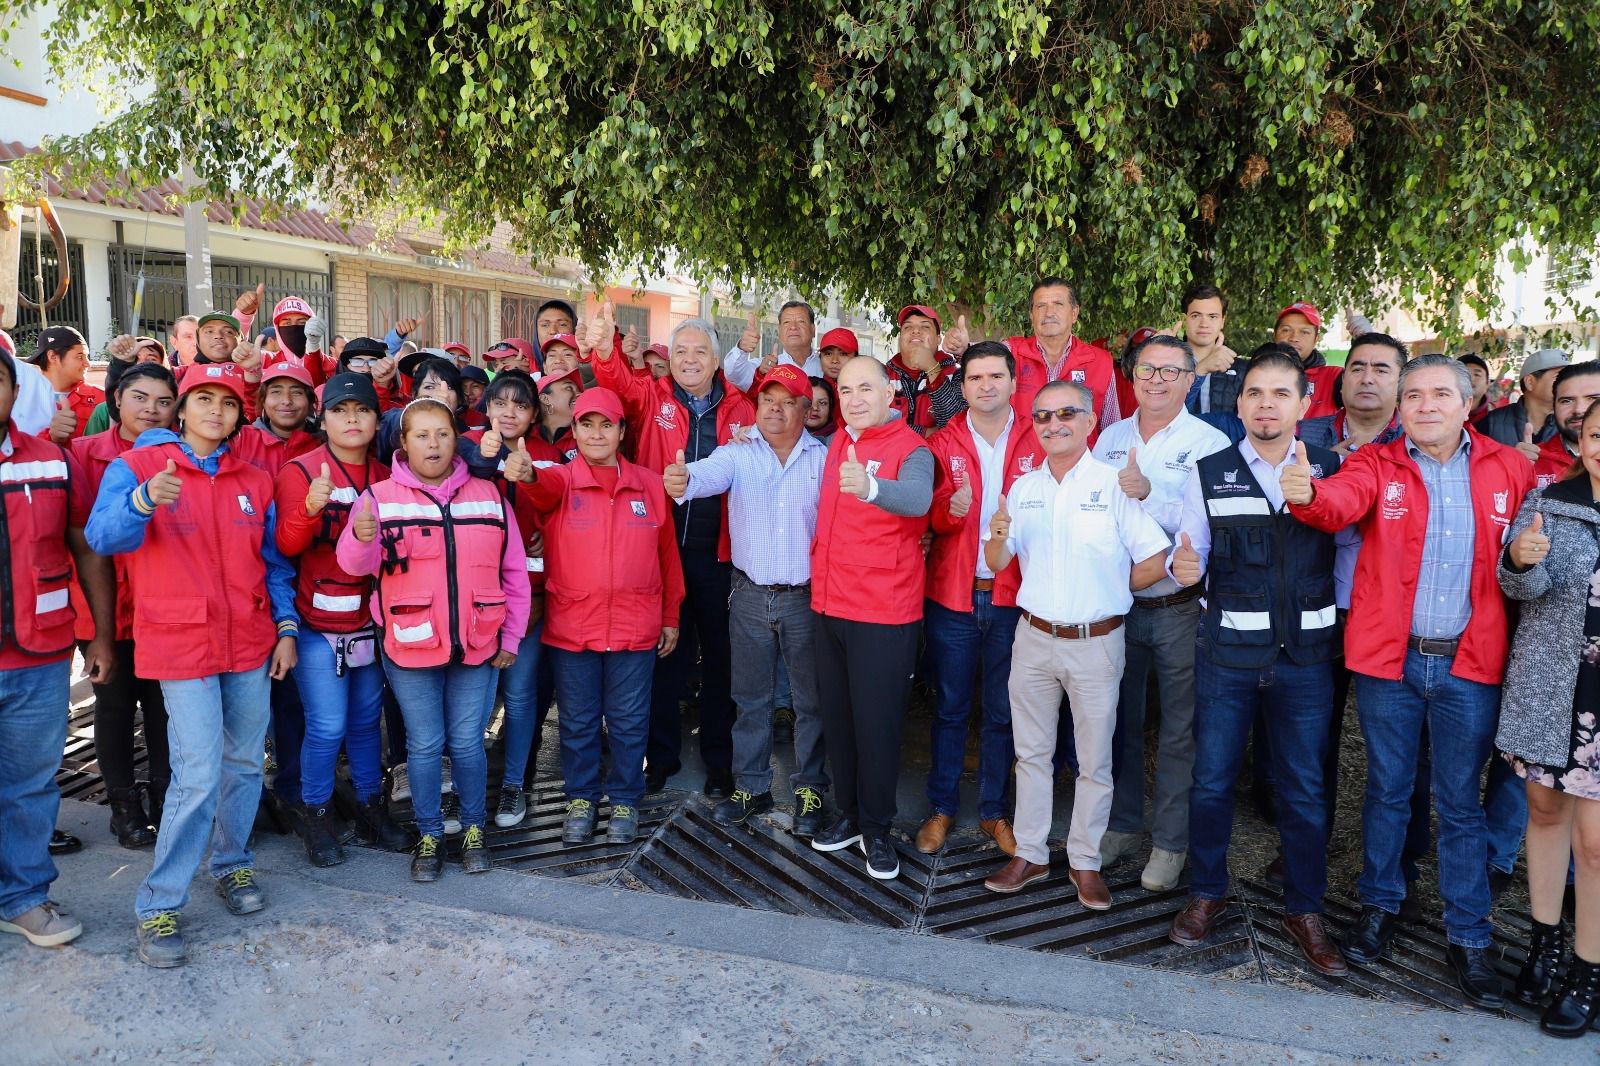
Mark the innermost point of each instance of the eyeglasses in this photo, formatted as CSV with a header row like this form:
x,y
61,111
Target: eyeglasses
x,y
1144,372
1064,414
360,362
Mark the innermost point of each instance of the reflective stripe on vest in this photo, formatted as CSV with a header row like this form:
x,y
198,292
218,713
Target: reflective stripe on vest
x,y
1233,506
38,470
335,604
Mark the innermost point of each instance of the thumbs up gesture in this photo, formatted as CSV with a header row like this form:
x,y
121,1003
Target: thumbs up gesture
x,y
365,522
63,424
247,356
961,499
675,478
318,491
1000,524
630,346
1531,546
1526,446
1185,562
1132,480
751,335
602,328
853,480
519,464
1296,477
163,488
958,338
489,444
768,363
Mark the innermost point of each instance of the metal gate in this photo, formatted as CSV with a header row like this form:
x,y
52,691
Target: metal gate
x,y
73,308
164,297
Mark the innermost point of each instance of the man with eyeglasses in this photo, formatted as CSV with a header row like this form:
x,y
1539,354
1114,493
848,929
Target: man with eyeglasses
x,y
1154,451
1077,535
370,356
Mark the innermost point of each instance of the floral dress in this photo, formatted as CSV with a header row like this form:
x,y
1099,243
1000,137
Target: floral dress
x,y
1581,776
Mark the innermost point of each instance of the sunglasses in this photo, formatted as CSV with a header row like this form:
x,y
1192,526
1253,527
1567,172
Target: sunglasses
x,y
1144,372
360,362
1065,414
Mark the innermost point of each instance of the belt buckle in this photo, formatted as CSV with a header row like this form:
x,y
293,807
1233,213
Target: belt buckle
x,y
1075,631
1433,647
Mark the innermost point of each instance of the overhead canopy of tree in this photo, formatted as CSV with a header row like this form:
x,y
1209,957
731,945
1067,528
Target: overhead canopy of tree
x,y
944,150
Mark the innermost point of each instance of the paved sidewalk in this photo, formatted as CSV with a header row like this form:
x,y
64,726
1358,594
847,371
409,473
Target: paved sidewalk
x,y
356,964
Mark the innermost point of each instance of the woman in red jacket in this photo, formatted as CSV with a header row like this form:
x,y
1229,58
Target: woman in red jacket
x,y
145,398
340,681
614,590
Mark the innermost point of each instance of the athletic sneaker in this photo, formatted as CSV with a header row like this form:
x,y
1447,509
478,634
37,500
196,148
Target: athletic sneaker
x,y
450,811
45,926
513,806
399,784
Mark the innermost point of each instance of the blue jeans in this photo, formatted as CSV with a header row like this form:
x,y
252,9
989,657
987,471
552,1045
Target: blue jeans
x,y
1460,716
1505,809
217,732
959,642
519,684
1298,701
338,710
612,687
288,737
33,730
444,704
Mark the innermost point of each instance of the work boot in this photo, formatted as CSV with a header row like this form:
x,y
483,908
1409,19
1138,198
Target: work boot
x,y
930,838
807,811
737,808
427,862
623,825
240,892
45,926
1541,973
1115,846
1161,873
374,826
579,825
128,821
161,941
513,806
474,852
322,842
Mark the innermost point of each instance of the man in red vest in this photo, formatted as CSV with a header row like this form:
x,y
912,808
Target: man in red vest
x,y
63,356
867,579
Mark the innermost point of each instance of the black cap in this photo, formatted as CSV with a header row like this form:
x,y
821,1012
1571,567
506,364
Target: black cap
x,y
368,346
1474,360
57,339
475,373
342,387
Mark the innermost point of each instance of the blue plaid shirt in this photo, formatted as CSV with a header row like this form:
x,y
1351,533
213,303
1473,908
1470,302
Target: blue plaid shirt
x,y
1444,586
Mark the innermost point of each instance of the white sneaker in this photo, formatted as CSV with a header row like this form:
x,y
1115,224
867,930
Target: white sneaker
x,y
400,784
1161,873
45,926
1114,847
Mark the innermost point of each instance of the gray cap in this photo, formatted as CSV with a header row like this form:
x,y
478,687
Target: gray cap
x,y
1542,360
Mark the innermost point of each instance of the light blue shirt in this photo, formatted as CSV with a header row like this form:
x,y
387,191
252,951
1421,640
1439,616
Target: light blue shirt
x,y
1444,585
772,506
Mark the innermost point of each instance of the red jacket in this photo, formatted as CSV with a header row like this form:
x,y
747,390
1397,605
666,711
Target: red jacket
x,y
1324,394
866,564
921,398
327,599
953,559
659,423
1082,363
1553,462
265,450
94,454
1381,490
530,523
83,398
613,577
198,582
42,499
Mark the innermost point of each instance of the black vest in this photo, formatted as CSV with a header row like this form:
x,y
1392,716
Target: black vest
x,y
1269,578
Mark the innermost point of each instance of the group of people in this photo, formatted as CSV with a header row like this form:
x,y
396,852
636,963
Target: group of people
x,y
334,548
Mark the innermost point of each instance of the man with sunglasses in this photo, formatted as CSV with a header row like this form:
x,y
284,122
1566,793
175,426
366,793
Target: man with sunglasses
x,y
1083,543
1154,451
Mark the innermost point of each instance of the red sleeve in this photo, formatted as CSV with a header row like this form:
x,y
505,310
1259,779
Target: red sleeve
x,y
1345,497
295,527
79,500
944,487
252,405
635,393
549,488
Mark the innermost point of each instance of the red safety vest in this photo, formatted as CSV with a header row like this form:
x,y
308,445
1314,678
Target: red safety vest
x,y
1553,463
327,599
95,455
879,575
198,582
953,558
439,591
1082,364
35,606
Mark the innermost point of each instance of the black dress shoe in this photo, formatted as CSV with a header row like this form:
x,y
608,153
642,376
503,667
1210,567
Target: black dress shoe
x,y
838,836
64,843
1368,937
1476,976
1541,972
719,785
1573,1010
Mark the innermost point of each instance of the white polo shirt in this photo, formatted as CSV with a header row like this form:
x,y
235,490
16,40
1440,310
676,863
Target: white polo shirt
x,y
1077,541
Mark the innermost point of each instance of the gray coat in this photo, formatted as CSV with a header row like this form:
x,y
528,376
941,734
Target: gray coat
x,y
1536,704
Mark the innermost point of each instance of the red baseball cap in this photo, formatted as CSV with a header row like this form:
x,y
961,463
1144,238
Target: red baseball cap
x,y
574,375
598,401
290,368
1308,310
457,348
563,338
291,305
918,309
659,348
227,375
511,345
1140,335
791,377
843,339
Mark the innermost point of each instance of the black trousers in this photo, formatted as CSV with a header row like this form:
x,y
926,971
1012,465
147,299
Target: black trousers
x,y
702,623
864,672
116,705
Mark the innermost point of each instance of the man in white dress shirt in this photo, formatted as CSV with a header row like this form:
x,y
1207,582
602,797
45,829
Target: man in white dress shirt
x,y
1155,451
1083,544
797,329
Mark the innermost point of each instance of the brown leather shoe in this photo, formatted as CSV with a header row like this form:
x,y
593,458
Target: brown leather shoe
x,y
999,830
1016,875
1315,944
930,838
1194,923
1092,890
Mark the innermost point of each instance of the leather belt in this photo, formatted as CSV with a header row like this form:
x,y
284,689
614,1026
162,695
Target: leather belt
x,y
1181,596
983,584
1433,646
1079,631
771,588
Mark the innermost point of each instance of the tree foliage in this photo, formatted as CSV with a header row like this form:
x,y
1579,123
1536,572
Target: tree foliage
x,y
944,150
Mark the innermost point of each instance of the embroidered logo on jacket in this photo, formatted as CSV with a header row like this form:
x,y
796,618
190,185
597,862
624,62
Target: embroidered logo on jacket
x,y
1231,477
638,507
1025,463
667,417
245,505
1394,496
1500,501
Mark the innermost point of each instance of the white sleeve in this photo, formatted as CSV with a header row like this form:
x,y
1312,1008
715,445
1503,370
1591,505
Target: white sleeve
x,y
1141,535
739,367
36,400
1194,522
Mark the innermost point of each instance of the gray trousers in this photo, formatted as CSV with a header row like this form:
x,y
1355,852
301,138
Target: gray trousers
x,y
1162,637
766,624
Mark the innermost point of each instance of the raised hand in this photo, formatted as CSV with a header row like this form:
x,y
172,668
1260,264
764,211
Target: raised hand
x,y
769,363
519,464
675,478
1000,524
489,445
248,303
318,492
384,370
1531,547
407,326
165,486
1526,446
247,356
957,338
602,328
1185,562
751,335
365,522
123,348
63,424
1132,480
1296,478
631,346
853,480
961,499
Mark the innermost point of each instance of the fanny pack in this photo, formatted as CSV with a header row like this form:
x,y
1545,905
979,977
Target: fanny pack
x,y
352,649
